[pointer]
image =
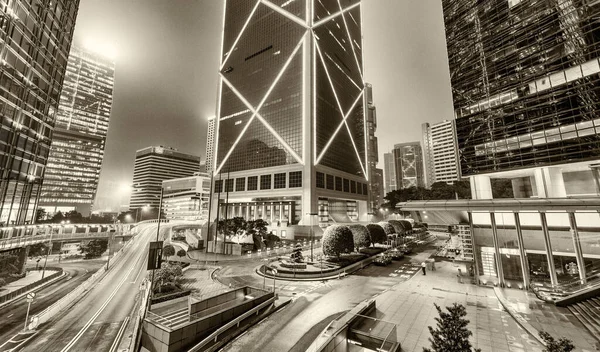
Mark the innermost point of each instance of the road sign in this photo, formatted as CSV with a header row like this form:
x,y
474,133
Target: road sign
x,y
274,271
155,255
30,295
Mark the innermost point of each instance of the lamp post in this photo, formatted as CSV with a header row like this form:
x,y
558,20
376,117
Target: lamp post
x,y
157,233
312,234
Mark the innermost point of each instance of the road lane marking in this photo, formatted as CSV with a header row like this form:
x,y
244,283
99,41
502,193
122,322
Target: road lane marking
x,y
100,310
115,344
137,276
10,315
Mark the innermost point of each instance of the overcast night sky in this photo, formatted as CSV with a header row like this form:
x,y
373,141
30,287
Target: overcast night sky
x,y
167,54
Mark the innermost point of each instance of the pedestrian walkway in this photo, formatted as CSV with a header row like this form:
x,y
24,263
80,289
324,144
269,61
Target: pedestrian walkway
x,y
30,278
410,305
201,283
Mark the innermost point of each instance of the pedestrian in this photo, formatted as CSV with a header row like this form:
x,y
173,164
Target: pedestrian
x,y
423,267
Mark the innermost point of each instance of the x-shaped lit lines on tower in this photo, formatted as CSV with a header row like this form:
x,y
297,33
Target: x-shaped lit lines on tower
x,y
309,25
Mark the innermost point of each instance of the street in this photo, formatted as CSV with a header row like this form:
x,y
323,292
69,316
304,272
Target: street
x,y
314,304
14,314
95,322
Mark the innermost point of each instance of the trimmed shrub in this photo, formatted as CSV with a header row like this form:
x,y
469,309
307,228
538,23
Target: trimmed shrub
x,y
337,239
376,233
361,236
398,226
407,225
387,227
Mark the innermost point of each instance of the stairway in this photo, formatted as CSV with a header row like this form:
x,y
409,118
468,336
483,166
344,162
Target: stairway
x,y
177,317
588,313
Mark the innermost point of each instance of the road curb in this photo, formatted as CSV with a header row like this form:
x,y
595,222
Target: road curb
x,y
35,289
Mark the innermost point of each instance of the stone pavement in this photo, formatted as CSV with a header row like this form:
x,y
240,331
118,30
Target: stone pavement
x,y
201,283
410,305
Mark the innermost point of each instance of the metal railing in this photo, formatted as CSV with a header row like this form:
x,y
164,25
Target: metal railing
x,y
22,241
213,338
11,295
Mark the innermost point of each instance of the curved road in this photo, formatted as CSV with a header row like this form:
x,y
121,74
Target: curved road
x,y
94,322
14,314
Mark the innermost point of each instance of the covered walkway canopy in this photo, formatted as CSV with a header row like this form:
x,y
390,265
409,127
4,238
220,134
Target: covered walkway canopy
x,y
512,204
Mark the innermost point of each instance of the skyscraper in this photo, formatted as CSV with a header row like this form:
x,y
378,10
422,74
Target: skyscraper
x,y
291,113
389,171
153,165
35,38
525,86
408,160
77,148
440,152
210,144
375,184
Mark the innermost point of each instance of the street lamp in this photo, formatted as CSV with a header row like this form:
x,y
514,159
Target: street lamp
x,y
312,234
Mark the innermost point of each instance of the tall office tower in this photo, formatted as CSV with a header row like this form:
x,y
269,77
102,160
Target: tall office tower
x,y
440,152
35,38
389,172
525,80
375,187
210,144
153,165
291,137
378,187
77,148
408,160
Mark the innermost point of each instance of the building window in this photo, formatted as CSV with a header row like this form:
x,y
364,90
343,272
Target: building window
x,y
358,187
320,180
365,189
265,182
240,184
279,181
252,183
338,184
346,185
295,179
219,186
283,233
353,186
229,185
330,182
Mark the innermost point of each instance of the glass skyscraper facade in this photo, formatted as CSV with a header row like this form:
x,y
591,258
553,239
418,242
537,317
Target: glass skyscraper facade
x,y
35,39
291,106
408,161
525,82
77,148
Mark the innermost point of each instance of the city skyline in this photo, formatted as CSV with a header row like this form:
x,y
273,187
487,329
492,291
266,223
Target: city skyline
x,y
407,75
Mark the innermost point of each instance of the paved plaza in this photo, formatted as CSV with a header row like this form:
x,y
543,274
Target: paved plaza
x,y
410,305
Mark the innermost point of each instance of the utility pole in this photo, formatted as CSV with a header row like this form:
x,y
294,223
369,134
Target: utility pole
x,y
217,219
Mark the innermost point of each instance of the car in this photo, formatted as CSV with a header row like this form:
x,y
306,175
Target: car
x,y
382,260
405,249
395,254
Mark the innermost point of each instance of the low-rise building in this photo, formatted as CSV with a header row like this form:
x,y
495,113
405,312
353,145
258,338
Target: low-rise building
x,y
186,198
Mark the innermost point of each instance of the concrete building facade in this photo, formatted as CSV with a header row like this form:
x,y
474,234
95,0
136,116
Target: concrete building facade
x,y
153,165
186,198
440,152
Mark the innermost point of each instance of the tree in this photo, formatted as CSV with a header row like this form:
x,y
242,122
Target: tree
x,y
296,255
168,251
361,236
442,190
451,334
37,250
181,253
462,189
94,248
74,217
562,345
376,233
270,240
167,274
337,239
387,227
40,215
258,229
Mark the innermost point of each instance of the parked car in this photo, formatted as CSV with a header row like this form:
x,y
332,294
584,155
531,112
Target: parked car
x,y
382,260
395,254
405,249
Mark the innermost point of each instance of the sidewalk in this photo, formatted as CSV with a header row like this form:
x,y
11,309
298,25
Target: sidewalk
x,y
31,277
409,305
